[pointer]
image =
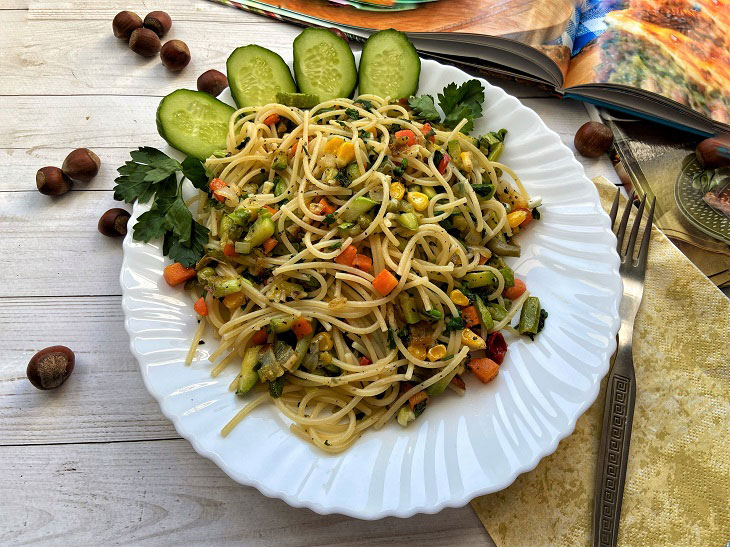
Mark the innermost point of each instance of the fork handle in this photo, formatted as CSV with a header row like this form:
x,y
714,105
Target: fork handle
x,y
613,454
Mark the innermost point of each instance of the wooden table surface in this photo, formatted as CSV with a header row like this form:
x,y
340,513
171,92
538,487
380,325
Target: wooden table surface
x,y
95,462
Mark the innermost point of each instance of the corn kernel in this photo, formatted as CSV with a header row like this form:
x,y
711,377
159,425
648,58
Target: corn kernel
x,y
397,190
419,200
466,162
515,218
471,340
419,352
324,340
458,298
437,352
233,300
325,357
345,154
332,145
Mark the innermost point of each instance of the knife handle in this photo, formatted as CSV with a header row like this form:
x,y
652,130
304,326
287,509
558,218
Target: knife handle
x,y
613,453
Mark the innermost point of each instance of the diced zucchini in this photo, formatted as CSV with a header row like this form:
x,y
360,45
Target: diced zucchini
x,y
280,161
358,206
248,377
280,186
282,324
475,280
260,231
454,149
409,221
439,387
408,307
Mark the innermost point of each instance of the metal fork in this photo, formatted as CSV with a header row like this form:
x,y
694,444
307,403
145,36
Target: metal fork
x,y
618,411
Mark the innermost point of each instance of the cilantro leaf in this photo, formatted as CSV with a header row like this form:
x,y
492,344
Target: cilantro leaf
x,y
464,101
180,219
194,170
352,113
150,225
455,323
424,108
188,253
139,176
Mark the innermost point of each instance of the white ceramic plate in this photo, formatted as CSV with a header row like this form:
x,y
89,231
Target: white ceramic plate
x,y
461,447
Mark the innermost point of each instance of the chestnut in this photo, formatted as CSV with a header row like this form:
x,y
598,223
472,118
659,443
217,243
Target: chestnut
x,y
124,23
145,42
51,367
81,164
51,181
593,139
709,153
159,22
175,55
113,223
212,82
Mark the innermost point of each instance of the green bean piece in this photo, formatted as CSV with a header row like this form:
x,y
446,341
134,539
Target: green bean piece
x,y
353,171
480,279
345,227
260,231
408,307
508,275
497,312
205,274
484,316
529,316
495,152
282,324
393,205
409,221
280,161
279,186
224,287
430,191
502,248
432,315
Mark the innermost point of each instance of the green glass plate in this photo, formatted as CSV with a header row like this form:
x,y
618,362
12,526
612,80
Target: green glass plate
x,y
693,207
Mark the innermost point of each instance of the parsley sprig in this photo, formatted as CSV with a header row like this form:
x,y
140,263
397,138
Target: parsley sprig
x,y
457,103
150,173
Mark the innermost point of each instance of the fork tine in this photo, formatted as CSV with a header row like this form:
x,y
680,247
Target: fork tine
x,y
635,230
644,248
614,207
621,231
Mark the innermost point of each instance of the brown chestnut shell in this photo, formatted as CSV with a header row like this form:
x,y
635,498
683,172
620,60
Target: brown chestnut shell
x,y
159,22
113,223
145,42
593,139
125,23
175,55
212,82
709,155
51,181
51,367
81,164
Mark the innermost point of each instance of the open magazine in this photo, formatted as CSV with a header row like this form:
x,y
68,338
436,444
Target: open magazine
x,y
666,60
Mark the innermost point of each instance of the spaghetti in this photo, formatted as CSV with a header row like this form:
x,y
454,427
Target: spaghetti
x,y
354,252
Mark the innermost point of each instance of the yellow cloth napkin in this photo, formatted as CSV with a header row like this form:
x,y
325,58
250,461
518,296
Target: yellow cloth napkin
x,y
678,477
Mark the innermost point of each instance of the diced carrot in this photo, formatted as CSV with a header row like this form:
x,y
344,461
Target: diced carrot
x,y
270,120
327,207
443,164
406,136
404,387
516,290
347,256
302,328
528,219
418,398
200,307
485,369
176,273
470,315
230,249
426,129
293,149
385,282
364,262
269,244
364,361
217,184
260,337
270,209
483,260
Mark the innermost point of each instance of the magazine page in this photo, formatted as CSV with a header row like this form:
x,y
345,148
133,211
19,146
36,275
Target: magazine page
x,y
679,49
546,25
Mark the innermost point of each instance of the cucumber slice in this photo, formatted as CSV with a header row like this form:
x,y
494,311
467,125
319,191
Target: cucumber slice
x,y
194,122
324,64
256,75
389,66
298,100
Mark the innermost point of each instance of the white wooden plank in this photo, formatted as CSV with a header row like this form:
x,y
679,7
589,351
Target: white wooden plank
x,y
163,493
77,54
190,10
51,246
103,400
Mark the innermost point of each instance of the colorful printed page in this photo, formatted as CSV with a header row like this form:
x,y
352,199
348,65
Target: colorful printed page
x,y
679,49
